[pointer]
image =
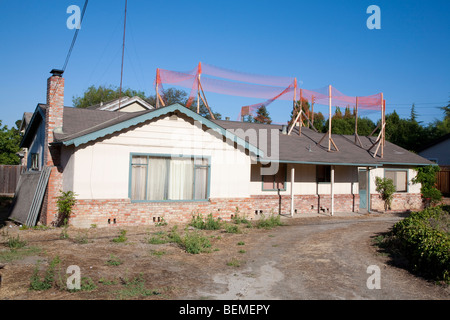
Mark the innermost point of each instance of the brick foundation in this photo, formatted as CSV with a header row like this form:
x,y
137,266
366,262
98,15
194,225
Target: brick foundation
x,y
401,202
123,212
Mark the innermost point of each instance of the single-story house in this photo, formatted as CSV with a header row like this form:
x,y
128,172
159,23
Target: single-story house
x,y
438,151
138,167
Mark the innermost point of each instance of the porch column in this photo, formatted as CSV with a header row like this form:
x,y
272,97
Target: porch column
x,y
292,190
332,190
368,189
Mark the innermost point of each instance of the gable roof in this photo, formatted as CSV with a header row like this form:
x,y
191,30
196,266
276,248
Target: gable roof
x,y
81,126
113,105
435,142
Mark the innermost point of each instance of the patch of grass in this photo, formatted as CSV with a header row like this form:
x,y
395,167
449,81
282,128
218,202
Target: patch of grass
x,y
242,251
234,263
113,261
270,222
135,288
15,243
205,224
81,238
194,242
107,282
18,254
122,237
241,243
158,253
232,228
158,238
38,284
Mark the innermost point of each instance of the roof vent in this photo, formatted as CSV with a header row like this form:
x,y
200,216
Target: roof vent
x,y
284,129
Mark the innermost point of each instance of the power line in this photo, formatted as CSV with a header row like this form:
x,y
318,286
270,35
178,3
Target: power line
x,y
75,36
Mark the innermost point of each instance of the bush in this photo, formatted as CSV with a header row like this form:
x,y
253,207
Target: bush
x,y
386,189
65,202
424,239
426,176
268,223
208,224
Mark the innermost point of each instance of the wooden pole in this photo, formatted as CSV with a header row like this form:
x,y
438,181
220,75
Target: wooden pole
x,y
382,126
329,120
312,110
301,111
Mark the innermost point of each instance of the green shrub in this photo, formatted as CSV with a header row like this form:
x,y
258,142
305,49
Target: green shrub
x,y
65,202
423,238
426,176
15,243
205,224
269,223
121,237
386,189
232,228
195,243
39,285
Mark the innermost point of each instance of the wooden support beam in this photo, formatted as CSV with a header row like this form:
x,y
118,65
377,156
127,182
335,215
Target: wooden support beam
x,y
204,100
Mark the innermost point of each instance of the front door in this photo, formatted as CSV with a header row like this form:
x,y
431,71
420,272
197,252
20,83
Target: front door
x,y
362,182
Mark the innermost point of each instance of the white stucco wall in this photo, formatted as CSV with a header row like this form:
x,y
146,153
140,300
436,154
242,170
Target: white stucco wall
x,y
101,170
346,181
379,172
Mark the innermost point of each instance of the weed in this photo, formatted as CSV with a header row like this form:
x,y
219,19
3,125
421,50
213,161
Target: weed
x,y
81,238
208,224
113,261
158,253
194,243
17,254
242,251
39,285
232,228
269,223
15,243
234,263
135,288
121,237
241,243
107,282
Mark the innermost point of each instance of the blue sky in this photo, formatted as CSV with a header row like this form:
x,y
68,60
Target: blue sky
x,y
319,42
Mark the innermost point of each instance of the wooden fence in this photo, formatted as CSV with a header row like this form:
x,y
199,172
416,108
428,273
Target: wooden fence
x,y
443,181
9,177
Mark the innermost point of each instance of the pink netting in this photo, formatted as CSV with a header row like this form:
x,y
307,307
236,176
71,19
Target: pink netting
x,y
270,88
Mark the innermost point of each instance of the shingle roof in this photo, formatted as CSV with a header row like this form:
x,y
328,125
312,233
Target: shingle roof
x,y
305,148
80,123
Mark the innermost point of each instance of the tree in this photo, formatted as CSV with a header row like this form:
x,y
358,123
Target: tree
x,y
262,116
94,95
9,144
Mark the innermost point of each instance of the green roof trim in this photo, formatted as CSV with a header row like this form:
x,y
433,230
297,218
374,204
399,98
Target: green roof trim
x,y
155,114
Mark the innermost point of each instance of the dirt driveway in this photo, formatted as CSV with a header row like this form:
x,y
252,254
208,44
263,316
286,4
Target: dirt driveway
x,y
307,258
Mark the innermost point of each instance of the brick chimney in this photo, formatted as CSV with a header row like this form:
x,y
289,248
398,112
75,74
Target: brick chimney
x,y
52,155
55,107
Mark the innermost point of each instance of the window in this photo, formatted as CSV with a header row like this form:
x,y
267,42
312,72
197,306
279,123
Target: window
x,y
400,178
323,173
34,161
276,181
159,178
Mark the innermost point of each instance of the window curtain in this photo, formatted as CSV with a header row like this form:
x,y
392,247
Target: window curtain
x,y
138,177
157,179
201,179
181,179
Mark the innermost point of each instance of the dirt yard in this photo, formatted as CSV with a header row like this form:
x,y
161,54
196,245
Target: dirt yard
x,y
307,258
